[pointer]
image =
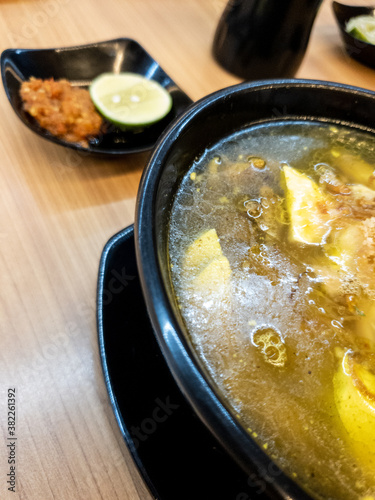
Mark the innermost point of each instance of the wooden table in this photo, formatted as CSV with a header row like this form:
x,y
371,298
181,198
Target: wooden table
x,y
58,209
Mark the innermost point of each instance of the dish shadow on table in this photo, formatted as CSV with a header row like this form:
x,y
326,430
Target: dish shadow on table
x,y
359,69
60,182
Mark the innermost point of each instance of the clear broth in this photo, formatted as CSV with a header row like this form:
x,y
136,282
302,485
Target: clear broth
x,y
272,340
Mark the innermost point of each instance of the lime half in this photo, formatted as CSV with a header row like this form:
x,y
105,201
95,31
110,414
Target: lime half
x,y
130,100
363,28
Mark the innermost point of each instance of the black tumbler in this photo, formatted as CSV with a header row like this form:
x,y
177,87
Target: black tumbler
x,y
261,39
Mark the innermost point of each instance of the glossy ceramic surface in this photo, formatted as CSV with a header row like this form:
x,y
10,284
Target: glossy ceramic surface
x,y
175,453
80,65
358,49
258,39
204,124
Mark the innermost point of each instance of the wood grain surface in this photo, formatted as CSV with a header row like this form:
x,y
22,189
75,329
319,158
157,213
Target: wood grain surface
x,y
57,211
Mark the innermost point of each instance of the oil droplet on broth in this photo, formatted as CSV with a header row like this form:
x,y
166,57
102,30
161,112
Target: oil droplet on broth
x,y
257,163
270,345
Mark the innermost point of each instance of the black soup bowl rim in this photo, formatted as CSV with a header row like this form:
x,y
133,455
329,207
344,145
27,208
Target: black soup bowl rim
x,y
183,363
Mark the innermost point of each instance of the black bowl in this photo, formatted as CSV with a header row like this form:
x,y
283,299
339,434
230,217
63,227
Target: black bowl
x,y
358,49
203,125
80,65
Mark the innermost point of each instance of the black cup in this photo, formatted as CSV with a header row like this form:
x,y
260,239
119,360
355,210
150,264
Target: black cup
x,y
261,39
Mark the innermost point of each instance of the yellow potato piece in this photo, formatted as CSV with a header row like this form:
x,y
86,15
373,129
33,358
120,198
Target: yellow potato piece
x,y
352,249
345,246
354,167
203,250
366,324
207,266
362,192
354,392
213,280
307,208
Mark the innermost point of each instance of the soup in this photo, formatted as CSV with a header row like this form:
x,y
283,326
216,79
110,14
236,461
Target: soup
x,y
272,256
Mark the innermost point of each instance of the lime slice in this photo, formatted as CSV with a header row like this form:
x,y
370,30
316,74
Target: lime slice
x,y
130,100
363,28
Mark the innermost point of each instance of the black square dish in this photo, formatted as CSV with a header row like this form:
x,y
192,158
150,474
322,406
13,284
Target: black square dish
x,y
179,458
80,65
358,49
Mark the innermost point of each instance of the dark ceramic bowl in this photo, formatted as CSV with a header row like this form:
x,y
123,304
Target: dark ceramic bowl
x,y
80,65
203,125
358,49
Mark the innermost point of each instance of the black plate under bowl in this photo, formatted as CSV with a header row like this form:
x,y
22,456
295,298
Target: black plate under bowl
x,y
80,65
174,451
361,51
